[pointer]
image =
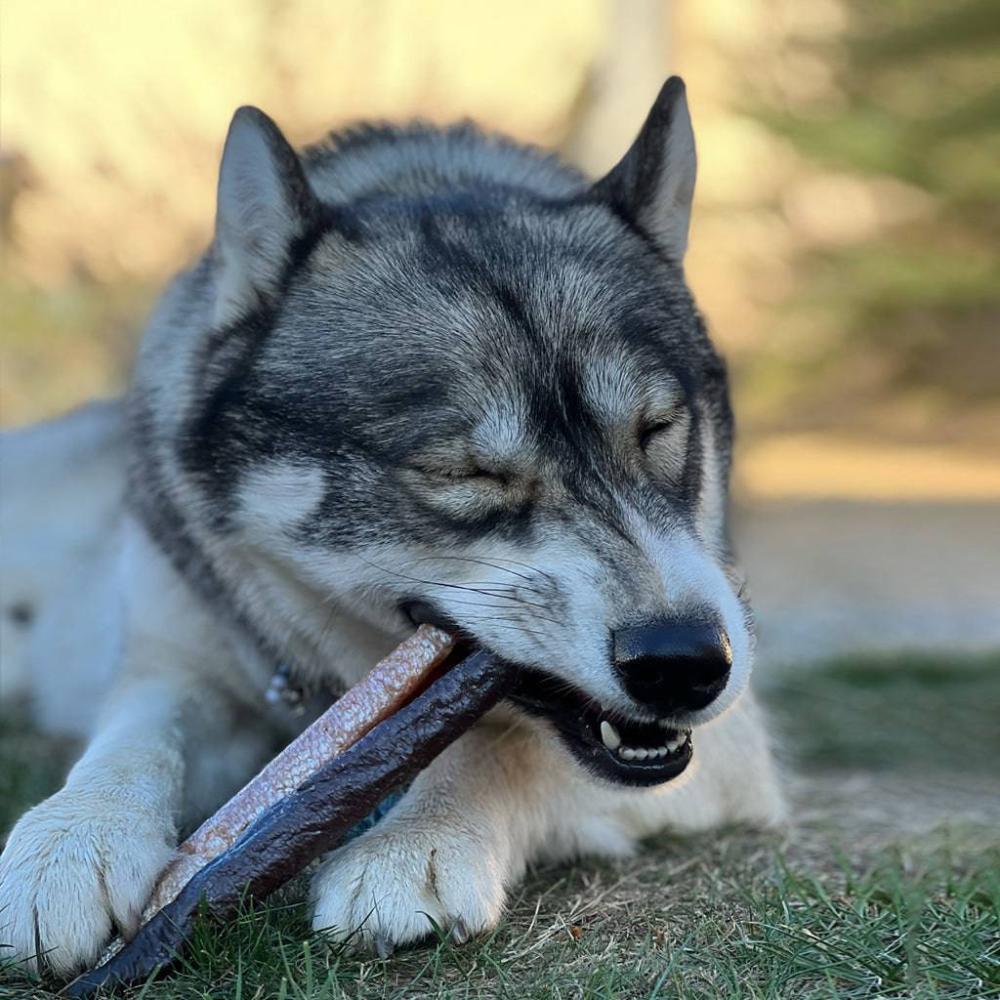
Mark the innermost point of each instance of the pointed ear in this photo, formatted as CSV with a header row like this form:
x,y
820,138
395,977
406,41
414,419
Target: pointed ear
x,y
265,203
653,184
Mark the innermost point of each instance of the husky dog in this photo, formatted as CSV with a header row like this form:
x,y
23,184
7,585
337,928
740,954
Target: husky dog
x,y
420,375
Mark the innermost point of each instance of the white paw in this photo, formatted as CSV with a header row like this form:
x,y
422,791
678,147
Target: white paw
x,y
72,872
394,884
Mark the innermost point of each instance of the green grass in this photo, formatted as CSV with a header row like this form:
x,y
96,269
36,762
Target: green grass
x,y
31,766
879,901
901,711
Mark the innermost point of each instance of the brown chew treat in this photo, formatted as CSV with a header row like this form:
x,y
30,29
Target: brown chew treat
x,y
389,685
312,819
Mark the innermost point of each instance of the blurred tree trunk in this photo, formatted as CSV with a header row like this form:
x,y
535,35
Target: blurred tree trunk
x,y
622,84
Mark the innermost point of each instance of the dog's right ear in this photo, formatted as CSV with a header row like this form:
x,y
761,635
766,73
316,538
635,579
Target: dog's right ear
x,y
264,205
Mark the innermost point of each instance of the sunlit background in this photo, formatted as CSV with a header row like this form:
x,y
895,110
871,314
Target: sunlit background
x,y
845,244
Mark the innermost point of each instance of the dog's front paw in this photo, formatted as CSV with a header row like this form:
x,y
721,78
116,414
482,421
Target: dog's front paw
x,y
393,886
73,869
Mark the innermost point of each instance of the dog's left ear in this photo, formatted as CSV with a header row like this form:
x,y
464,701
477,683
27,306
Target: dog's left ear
x,y
653,184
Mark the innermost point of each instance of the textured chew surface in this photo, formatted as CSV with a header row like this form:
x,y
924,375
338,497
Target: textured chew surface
x,y
312,819
387,687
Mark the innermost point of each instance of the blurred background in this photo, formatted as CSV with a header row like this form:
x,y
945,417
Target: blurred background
x,y
845,245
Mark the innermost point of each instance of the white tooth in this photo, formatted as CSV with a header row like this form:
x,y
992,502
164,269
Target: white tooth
x,y
641,754
661,751
627,752
610,735
674,744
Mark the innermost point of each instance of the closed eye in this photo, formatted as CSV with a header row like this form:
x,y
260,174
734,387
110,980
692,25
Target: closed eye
x,y
649,431
465,475
460,474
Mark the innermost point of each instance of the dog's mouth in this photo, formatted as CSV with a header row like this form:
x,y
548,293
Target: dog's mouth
x,y
610,745
616,748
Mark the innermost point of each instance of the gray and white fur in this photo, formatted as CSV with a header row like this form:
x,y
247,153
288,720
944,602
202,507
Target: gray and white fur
x,y
419,374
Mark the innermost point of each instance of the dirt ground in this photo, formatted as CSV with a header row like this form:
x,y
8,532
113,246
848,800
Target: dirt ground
x,y
832,577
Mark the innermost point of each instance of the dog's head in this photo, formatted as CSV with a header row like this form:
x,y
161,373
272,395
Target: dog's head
x,y
492,405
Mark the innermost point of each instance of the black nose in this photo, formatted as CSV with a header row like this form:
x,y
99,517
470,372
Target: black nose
x,y
673,665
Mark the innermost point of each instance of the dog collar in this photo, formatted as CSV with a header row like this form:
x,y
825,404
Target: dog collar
x,y
297,697
282,690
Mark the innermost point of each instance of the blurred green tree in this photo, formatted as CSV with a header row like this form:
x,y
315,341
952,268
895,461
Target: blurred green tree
x,y
915,102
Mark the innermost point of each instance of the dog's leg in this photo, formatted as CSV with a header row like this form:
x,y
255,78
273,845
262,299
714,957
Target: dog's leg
x,y
507,794
461,836
82,862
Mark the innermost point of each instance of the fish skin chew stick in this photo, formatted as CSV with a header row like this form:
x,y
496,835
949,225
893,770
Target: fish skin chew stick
x,y
387,687
311,820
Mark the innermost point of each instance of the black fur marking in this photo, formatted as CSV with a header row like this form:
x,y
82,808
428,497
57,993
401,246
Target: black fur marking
x,y
218,436
21,614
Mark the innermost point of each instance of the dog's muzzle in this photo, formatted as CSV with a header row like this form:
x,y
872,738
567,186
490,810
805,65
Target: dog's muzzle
x,y
619,748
